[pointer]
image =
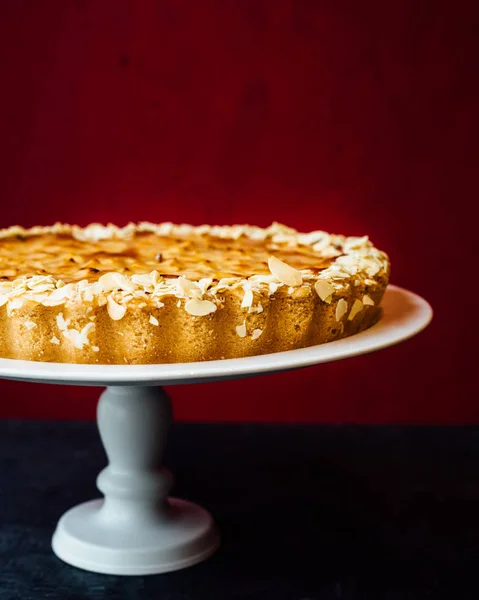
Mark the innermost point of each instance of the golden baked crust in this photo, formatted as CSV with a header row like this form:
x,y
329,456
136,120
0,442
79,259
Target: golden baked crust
x,y
166,293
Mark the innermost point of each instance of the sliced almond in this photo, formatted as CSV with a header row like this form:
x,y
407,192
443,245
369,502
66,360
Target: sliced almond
x,y
247,298
323,289
204,284
154,321
30,325
143,280
356,308
79,338
341,309
115,310
155,278
55,340
41,286
62,322
13,305
199,308
241,330
272,288
368,301
256,333
284,273
116,281
256,309
188,288
373,269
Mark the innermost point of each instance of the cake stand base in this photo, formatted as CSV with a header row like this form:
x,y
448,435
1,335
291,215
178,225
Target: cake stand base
x,y
137,529
185,537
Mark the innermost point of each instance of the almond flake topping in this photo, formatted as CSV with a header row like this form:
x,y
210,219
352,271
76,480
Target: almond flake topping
x,y
55,340
341,309
143,280
356,308
204,284
155,278
60,295
188,288
116,281
241,330
154,321
6,287
256,334
62,322
199,308
248,297
323,289
256,309
79,338
355,242
353,261
284,273
30,325
273,288
13,305
115,310
373,269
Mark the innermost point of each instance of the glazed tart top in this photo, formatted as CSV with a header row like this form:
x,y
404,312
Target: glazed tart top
x,y
63,263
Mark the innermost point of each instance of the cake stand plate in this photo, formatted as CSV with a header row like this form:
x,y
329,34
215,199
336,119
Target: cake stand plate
x,y
137,528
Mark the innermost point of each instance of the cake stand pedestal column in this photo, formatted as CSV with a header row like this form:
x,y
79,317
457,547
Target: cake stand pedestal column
x,y
136,529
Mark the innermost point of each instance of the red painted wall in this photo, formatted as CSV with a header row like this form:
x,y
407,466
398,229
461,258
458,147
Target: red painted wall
x,y
354,117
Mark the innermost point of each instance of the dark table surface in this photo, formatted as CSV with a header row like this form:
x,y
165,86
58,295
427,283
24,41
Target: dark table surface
x,y
306,512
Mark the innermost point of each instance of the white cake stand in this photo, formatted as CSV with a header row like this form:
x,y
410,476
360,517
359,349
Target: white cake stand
x,y
137,528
